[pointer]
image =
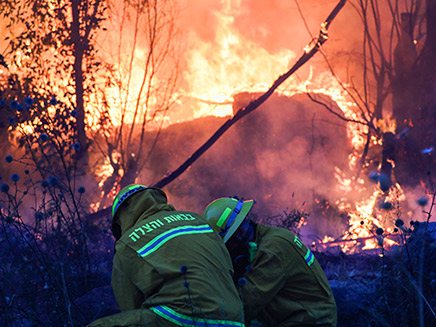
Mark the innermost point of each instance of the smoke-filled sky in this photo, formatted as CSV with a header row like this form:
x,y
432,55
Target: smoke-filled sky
x,y
273,25
225,47
235,46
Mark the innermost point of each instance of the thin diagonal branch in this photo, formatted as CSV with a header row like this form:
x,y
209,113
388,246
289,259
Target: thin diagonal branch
x,y
323,36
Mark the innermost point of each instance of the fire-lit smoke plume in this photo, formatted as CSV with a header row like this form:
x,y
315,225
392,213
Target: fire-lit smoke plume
x,y
290,151
284,154
226,47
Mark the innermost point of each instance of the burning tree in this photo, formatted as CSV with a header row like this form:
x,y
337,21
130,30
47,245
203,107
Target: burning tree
x,y
145,77
391,85
397,81
115,89
398,74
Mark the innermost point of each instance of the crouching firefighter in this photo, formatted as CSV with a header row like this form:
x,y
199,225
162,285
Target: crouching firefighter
x,y
282,283
170,268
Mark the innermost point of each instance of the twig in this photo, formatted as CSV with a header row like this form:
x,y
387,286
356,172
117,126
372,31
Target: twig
x,y
418,290
334,112
421,257
359,239
323,36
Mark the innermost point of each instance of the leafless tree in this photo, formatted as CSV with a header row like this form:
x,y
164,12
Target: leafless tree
x,y
396,77
146,75
398,72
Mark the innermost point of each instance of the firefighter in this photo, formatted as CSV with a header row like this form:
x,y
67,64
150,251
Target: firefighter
x,y
170,268
282,283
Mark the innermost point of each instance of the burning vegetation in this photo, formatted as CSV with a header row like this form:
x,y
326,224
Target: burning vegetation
x,y
96,95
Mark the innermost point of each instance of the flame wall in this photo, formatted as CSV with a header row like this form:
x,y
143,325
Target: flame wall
x,y
225,47
228,50
236,46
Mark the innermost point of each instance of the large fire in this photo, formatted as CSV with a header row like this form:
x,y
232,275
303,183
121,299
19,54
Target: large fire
x,y
228,65
228,62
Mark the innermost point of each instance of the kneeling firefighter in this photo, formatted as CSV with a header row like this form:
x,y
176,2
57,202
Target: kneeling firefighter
x,y
283,283
170,268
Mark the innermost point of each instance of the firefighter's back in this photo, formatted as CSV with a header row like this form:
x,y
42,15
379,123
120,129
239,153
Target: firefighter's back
x,y
194,265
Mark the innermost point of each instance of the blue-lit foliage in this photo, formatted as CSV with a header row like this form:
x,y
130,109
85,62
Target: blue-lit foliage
x,y
47,246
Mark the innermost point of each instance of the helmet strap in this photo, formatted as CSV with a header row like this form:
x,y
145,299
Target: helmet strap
x,y
232,218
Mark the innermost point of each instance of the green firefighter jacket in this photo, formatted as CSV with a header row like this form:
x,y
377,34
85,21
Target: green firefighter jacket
x,y
287,286
172,264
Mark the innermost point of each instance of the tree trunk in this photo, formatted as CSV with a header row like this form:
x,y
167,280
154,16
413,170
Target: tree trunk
x,y
413,99
403,88
426,64
79,51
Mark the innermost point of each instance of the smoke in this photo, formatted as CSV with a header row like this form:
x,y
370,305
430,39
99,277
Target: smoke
x,y
283,154
290,150
225,47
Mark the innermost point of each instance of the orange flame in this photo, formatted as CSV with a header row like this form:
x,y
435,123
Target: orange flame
x,y
217,68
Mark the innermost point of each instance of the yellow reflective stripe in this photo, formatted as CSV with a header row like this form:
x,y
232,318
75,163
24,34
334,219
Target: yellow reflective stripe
x,y
115,205
223,217
161,239
183,320
298,242
309,257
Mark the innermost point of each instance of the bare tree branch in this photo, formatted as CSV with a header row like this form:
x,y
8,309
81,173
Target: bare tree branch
x,y
335,113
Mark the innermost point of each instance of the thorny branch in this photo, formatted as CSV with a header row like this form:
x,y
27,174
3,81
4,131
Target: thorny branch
x,y
308,53
419,291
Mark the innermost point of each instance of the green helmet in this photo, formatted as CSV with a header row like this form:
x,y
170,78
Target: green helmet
x,y
124,194
225,215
